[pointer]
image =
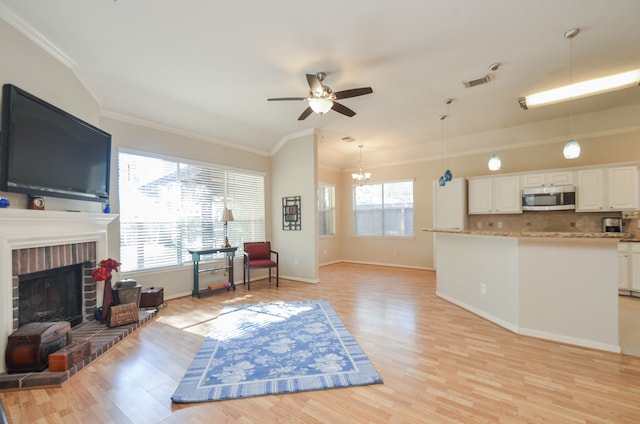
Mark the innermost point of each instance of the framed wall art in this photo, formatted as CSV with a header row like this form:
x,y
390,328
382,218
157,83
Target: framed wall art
x,y
291,213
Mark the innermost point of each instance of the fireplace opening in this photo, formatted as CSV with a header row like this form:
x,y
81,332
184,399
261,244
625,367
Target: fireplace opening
x,y
52,295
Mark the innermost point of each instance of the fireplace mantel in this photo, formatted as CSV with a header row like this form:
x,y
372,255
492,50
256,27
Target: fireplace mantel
x,y
25,228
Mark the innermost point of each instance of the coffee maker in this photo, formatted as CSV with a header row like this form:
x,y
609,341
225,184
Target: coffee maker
x,y
612,225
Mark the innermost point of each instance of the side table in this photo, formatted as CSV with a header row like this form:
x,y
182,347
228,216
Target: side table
x,y
229,253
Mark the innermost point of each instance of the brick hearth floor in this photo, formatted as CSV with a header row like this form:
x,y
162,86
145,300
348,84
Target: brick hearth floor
x,y
102,339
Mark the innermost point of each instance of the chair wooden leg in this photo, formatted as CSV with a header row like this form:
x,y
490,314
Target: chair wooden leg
x,y
278,275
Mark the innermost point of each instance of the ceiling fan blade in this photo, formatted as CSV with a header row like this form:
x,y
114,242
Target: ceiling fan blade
x,y
354,92
314,84
286,98
304,114
342,109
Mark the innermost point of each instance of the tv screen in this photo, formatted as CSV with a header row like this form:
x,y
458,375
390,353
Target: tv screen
x,y
45,151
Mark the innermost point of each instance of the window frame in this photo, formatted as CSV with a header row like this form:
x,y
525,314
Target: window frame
x,y
331,209
249,223
383,230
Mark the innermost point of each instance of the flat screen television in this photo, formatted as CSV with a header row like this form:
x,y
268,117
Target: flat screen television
x,y
45,151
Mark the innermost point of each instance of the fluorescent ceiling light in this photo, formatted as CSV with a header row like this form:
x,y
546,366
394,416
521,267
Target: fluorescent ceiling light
x,y
582,89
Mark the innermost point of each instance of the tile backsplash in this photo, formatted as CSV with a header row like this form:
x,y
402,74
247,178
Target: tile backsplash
x,y
553,221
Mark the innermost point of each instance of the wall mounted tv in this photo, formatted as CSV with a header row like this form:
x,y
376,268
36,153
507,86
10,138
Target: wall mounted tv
x,y
45,151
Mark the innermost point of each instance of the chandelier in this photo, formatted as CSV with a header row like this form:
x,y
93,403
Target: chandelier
x,y
361,177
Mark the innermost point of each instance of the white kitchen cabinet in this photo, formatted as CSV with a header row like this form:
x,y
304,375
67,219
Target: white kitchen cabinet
x,y
545,179
629,268
590,190
624,267
635,267
622,185
493,195
608,189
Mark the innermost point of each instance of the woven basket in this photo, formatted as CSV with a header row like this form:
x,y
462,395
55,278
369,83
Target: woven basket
x,y
122,314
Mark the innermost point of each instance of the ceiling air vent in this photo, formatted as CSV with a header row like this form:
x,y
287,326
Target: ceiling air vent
x,y
478,81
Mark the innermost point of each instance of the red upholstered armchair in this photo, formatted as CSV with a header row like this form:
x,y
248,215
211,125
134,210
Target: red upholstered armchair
x,y
259,255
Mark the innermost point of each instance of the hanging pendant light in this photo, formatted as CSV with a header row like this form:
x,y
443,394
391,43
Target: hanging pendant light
x,y
494,163
447,175
361,177
571,148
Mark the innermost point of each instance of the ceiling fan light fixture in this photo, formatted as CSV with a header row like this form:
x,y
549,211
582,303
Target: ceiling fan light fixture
x,y
320,105
582,89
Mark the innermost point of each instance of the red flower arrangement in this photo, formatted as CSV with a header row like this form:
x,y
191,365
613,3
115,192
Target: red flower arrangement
x,y
103,272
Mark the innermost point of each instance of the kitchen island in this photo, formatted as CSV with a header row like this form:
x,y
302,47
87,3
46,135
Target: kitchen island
x,y
554,286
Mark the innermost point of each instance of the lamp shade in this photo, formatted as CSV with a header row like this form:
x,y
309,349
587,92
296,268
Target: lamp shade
x,y
227,215
320,105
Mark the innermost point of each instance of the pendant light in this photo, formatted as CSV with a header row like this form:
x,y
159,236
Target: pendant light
x,y
448,175
572,147
494,163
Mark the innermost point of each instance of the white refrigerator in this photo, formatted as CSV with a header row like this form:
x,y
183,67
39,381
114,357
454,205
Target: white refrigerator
x,y
450,205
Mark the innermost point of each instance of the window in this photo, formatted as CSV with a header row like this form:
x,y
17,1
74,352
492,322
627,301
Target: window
x,y
326,210
168,206
384,209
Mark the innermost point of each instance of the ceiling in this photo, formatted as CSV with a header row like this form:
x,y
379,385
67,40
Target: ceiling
x,y
207,67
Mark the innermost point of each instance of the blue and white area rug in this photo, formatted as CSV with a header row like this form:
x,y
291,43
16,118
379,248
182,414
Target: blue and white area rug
x,y
271,348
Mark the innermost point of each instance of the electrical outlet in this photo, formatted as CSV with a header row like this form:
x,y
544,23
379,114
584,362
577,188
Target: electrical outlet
x,y
499,224
483,288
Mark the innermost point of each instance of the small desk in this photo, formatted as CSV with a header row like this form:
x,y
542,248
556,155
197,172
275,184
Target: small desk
x,y
195,256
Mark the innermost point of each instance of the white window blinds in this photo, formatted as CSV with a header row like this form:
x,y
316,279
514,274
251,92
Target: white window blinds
x,y
383,209
168,206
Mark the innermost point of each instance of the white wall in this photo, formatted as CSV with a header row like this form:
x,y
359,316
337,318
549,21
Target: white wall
x,y
552,288
26,66
294,173
569,291
465,262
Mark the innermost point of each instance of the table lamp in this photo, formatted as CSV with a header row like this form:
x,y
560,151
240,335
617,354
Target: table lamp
x,y
227,215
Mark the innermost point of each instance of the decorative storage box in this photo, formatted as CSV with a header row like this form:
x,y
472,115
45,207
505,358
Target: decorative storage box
x,y
70,355
122,315
152,297
127,291
28,347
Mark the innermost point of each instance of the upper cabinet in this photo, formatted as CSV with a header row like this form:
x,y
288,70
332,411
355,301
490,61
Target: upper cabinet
x,y
608,189
489,195
545,179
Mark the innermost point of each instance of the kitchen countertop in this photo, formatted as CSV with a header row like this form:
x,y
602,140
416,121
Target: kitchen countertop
x,y
627,237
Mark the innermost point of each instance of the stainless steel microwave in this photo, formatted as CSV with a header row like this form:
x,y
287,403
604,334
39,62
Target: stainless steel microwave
x,y
551,198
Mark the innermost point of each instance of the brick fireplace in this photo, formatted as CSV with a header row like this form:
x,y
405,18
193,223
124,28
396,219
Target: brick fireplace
x,y
31,241
50,261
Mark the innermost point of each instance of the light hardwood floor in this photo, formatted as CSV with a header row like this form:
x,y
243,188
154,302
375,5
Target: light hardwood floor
x,y
440,364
